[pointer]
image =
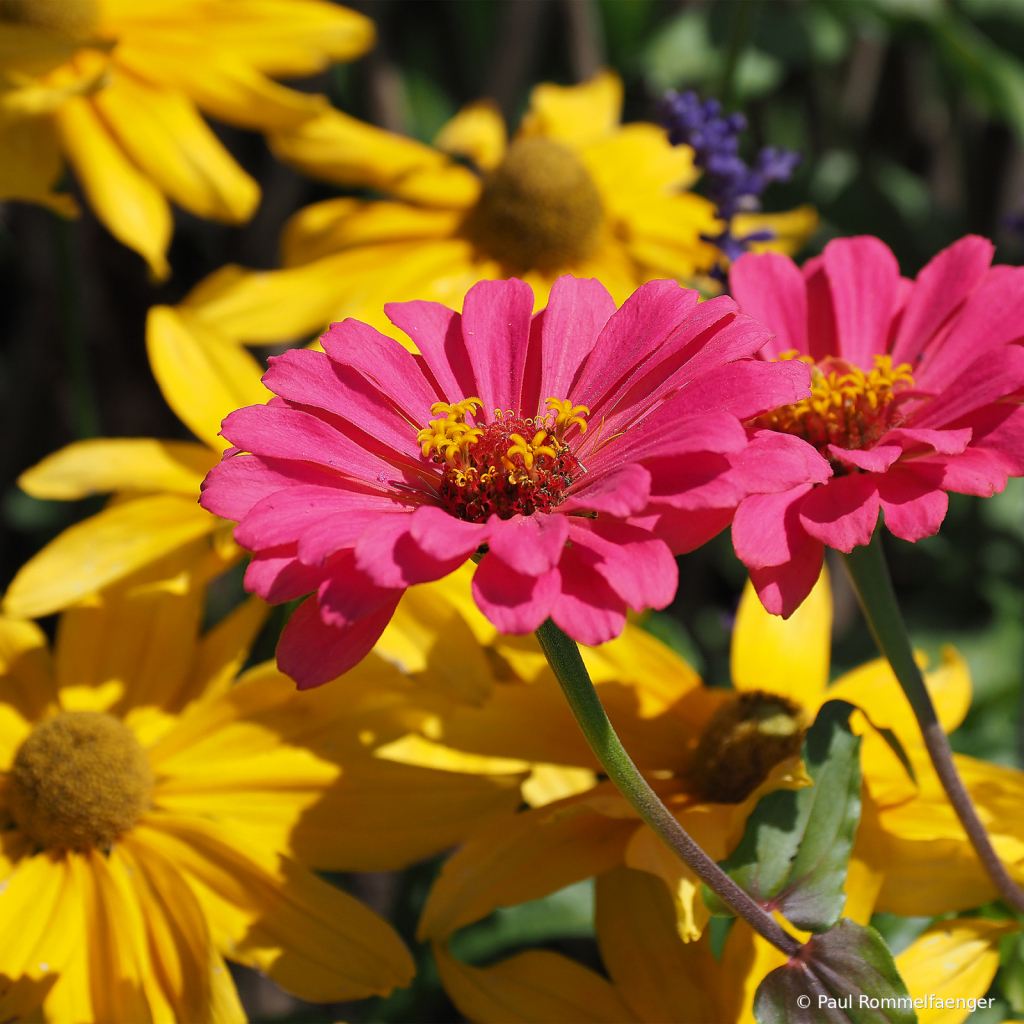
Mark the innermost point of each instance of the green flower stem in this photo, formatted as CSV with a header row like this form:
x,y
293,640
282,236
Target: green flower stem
x,y
870,575
564,657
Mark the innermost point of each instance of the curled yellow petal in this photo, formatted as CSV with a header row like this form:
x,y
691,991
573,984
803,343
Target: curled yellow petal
x,y
477,132
575,114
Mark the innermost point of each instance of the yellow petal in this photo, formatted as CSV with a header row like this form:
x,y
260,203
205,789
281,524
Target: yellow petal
x,y
790,656
575,114
550,782
532,988
746,959
125,200
477,131
20,996
102,465
313,939
345,151
524,858
94,553
953,960
203,376
321,229
27,688
659,977
792,229
33,50
32,164
163,134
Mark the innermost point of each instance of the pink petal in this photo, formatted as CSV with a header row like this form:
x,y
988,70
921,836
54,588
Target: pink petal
x,y
913,504
945,282
872,460
436,331
382,361
822,339
747,388
1000,428
576,313
334,532
945,442
843,512
278,576
587,608
387,553
766,529
636,564
622,492
496,328
310,378
684,530
977,471
314,653
440,535
770,288
513,602
699,480
864,278
782,588
348,595
531,545
773,461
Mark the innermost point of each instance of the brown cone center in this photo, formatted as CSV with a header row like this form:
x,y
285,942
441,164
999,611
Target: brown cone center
x,y
80,779
744,740
539,208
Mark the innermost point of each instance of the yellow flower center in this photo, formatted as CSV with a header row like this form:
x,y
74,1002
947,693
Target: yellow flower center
x,y
510,466
75,18
80,780
539,208
848,407
744,740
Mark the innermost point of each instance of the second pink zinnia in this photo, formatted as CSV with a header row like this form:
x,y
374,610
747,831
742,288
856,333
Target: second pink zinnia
x,y
579,448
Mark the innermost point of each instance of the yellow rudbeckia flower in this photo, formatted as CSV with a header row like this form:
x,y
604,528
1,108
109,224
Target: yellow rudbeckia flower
x,y
574,192
116,86
161,816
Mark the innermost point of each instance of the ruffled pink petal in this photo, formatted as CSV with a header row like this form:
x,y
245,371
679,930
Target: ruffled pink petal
x,y
944,283
531,545
871,460
770,288
576,313
944,442
440,535
496,328
698,480
843,512
978,471
766,529
335,532
913,504
1000,428
311,379
239,482
587,608
348,595
683,530
314,653
864,277
436,331
512,601
387,553
284,516
635,564
647,319
776,462
382,361
822,338
278,576
992,317
621,492
282,433
783,588
747,388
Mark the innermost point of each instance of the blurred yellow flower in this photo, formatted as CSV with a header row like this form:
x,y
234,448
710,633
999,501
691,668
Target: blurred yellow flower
x,y
116,86
574,192
160,816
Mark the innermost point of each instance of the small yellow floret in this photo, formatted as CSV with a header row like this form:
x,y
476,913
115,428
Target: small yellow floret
x,y
530,450
566,414
450,434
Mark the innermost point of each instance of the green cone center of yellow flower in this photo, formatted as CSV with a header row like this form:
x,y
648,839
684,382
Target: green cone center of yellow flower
x,y
744,740
80,779
539,208
77,18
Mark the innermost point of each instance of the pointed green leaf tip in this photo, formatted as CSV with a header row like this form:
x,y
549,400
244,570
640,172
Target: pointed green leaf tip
x,y
843,976
794,852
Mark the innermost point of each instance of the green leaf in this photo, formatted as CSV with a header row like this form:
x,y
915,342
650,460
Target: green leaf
x,y
846,974
795,849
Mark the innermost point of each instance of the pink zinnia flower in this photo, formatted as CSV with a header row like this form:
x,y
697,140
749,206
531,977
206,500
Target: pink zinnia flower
x,y
580,448
914,393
